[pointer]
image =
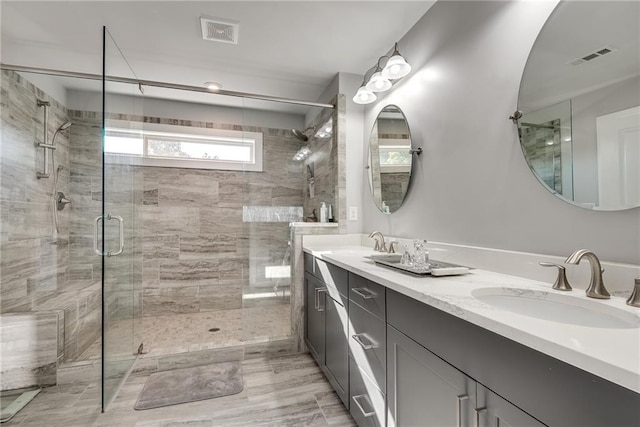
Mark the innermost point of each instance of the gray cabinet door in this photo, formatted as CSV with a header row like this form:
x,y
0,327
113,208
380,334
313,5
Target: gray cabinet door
x,y
336,359
422,389
494,411
367,401
314,317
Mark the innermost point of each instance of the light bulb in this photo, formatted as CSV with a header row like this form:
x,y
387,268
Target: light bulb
x,y
396,68
378,83
364,96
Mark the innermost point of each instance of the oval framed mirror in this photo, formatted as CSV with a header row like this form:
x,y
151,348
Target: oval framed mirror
x,y
580,105
390,159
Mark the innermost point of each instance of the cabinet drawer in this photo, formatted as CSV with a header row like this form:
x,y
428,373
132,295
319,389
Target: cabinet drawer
x,y
367,402
367,342
330,274
367,294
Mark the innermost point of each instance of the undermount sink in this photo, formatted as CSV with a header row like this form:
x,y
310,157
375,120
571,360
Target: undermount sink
x,y
557,308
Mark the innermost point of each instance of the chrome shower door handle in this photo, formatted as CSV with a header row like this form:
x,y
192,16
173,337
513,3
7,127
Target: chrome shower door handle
x,y
120,234
95,236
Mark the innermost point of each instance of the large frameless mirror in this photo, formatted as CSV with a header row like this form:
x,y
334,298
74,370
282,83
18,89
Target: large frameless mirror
x,y
580,104
389,164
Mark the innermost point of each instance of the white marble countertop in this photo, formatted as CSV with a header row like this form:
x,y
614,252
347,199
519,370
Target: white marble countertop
x,y
610,353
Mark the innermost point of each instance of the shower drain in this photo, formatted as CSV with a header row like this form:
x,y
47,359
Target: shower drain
x,y
214,329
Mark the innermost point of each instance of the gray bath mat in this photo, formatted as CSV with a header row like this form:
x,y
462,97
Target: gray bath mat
x,y
190,384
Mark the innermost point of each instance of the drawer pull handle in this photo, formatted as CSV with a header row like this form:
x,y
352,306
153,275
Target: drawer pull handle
x,y
460,398
366,414
476,418
364,293
318,292
358,339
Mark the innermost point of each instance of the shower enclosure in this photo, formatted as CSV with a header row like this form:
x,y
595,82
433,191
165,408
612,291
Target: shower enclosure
x,y
163,256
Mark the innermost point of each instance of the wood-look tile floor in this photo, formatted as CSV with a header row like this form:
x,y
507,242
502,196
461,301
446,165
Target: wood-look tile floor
x,y
279,391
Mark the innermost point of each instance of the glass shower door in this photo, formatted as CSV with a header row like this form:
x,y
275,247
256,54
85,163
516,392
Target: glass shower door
x,y
118,238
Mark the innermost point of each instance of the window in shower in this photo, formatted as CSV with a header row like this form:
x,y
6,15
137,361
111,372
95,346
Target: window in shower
x,y
186,147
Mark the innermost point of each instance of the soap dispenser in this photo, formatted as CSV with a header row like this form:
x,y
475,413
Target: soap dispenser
x,y
323,212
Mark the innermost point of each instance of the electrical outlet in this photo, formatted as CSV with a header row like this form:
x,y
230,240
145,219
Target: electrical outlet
x,y
353,213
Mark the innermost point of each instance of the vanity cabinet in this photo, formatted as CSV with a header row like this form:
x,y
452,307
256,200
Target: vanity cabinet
x,y
516,384
426,391
395,361
326,321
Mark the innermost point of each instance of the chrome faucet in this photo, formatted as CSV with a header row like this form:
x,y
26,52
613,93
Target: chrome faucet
x,y
380,245
596,286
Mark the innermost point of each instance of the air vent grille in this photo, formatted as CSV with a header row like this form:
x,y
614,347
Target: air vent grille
x,y
592,55
219,30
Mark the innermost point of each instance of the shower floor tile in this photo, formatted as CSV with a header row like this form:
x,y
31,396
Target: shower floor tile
x,y
180,333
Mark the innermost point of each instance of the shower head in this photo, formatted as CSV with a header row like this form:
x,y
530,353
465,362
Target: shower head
x,y
300,135
65,126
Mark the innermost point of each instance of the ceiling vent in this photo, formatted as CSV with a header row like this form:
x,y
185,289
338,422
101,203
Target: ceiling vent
x,y
592,55
219,30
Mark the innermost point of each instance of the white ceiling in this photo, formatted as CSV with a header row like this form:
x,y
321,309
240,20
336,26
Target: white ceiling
x,y
289,49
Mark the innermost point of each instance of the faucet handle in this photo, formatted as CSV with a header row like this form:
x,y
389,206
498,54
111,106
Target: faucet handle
x,y
634,299
561,283
391,249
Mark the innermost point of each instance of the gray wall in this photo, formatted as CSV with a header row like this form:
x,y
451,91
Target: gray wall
x,y
472,185
356,153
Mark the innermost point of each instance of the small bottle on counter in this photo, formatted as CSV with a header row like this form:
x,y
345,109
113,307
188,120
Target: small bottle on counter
x,y
323,212
330,214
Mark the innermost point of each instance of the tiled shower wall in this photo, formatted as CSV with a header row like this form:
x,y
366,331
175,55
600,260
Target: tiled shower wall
x,y
394,187
208,236
35,262
200,252
323,164
123,184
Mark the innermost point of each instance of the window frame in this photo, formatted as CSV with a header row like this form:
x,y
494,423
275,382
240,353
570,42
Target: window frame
x,y
391,145
174,132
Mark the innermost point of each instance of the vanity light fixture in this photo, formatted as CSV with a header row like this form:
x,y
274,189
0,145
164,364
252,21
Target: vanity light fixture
x,y
395,68
213,86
